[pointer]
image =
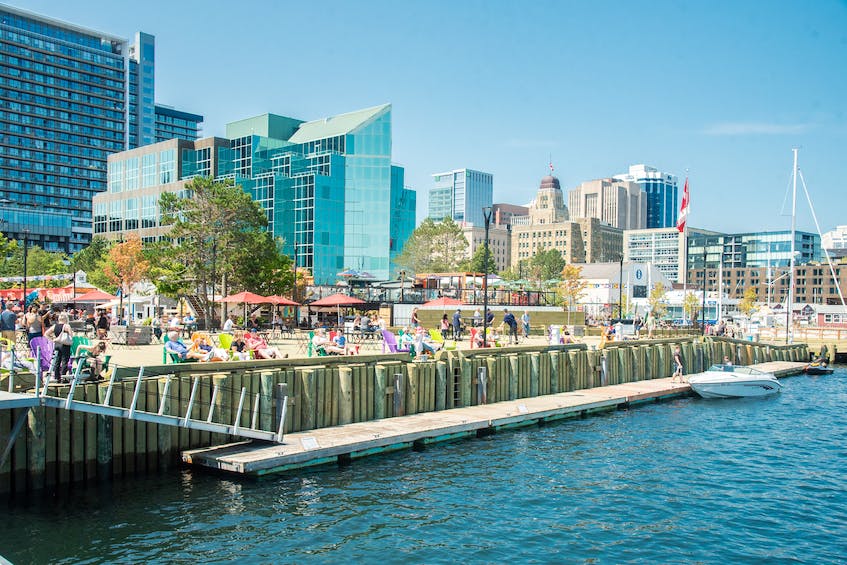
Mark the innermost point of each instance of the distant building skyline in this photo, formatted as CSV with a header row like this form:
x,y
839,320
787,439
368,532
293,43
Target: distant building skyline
x,y
661,191
461,194
621,204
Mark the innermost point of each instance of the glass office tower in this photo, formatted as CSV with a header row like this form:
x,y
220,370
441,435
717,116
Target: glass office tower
x,y
328,187
661,189
461,194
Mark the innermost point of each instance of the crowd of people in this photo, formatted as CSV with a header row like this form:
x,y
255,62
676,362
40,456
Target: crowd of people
x,y
53,323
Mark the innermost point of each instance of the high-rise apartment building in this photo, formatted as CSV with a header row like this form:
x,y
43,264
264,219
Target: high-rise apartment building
x,y
661,191
461,194
619,203
328,187
69,97
172,123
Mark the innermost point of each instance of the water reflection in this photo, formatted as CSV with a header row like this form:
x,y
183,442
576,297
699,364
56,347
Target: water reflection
x,y
640,485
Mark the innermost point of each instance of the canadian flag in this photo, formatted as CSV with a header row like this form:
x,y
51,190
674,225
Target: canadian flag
x,y
683,209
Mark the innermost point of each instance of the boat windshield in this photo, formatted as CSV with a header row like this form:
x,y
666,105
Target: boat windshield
x,y
739,369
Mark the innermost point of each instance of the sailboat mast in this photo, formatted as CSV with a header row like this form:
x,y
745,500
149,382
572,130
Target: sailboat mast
x,y
790,301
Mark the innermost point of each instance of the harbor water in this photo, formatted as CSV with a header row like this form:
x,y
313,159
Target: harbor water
x,y
682,481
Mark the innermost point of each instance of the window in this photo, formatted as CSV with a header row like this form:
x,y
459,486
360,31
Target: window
x,y
167,166
116,176
148,170
131,174
131,214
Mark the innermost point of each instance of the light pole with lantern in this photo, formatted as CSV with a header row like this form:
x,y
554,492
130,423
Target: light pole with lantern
x,y
486,212
26,248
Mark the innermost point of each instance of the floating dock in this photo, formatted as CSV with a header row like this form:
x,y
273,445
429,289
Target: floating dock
x,y
351,441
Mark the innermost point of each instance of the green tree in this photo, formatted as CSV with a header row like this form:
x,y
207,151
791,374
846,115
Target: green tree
x,y
547,264
572,288
125,265
656,300
38,262
218,235
747,305
478,264
434,247
92,260
691,306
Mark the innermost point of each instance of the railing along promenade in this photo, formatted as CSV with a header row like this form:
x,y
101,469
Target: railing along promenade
x,y
60,446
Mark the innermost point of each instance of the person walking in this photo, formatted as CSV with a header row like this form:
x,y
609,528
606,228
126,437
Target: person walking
x,y
445,327
677,361
457,325
525,323
509,320
8,320
34,326
102,325
651,324
61,335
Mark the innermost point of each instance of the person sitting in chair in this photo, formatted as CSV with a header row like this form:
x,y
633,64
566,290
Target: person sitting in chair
x,y
322,343
175,346
260,348
94,353
420,342
239,346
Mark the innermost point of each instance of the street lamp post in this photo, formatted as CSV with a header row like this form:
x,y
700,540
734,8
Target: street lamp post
x,y
486,212
703,308
620,291
26,248
294,285
402,285
211,313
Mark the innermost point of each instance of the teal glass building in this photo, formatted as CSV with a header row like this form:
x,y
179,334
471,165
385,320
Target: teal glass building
x,y
328,187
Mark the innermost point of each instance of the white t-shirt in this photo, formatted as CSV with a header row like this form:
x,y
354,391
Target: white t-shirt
x,y
228,325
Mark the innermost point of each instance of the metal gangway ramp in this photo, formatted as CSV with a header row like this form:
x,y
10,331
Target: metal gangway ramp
x,y
42,397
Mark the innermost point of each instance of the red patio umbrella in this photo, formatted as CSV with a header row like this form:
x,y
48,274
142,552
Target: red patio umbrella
x,y
337,300
281,301
444,301
94,296
245,297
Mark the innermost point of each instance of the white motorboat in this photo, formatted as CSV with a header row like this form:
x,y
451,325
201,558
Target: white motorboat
x,y
729,381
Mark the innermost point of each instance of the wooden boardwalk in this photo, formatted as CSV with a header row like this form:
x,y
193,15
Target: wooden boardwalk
x,y
341,443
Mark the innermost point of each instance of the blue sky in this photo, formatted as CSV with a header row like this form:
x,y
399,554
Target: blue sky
x,y
722,90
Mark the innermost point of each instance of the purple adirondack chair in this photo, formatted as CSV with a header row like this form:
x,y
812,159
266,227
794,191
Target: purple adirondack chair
x,y
389,340
46,347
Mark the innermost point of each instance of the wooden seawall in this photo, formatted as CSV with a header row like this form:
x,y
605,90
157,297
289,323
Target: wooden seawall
x,y
59,446
344,443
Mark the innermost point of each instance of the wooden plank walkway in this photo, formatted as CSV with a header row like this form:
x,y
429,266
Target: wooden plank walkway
x,y
329,445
